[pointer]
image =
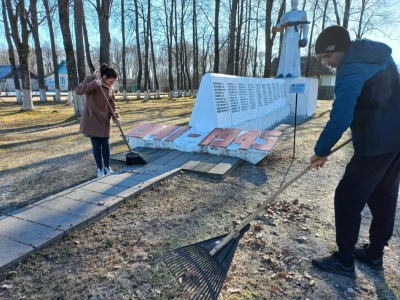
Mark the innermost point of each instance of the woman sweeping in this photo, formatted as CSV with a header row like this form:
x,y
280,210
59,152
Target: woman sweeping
x,y
96,118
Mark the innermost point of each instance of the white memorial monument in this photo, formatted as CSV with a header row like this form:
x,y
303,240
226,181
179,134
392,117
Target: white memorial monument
x,y
232,114
295,24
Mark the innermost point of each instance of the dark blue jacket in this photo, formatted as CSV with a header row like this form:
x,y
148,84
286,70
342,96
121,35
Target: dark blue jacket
x,y
367,99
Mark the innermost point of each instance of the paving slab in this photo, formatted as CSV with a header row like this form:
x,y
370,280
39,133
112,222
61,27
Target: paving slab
x,y
12,252
134,174
92,197
28,233
208,164
51,218
180,160
82,209
120,180
167,157
104,188
224,167
197,159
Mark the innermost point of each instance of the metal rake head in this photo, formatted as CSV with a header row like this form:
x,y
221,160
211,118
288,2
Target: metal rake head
x,y
200,274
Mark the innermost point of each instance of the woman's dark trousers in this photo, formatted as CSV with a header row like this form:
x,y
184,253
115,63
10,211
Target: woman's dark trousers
x,y
101,151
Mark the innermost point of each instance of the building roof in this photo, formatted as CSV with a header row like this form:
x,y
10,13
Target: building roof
x,y
6,72
63,62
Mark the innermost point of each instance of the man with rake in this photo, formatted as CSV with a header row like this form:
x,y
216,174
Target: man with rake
x,y
367,99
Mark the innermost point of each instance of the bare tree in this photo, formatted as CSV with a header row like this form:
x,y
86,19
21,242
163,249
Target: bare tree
x,y
346,15
22,45
238,38
153,58
146,53
269,36
216,36
11,56
103,9
80,52
53,50
34,23
63,13
123,49
336,12
323,18
307,71
232,28
195,51
139,54
87,45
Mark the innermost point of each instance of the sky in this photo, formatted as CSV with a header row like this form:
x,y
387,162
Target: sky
x,y
394,44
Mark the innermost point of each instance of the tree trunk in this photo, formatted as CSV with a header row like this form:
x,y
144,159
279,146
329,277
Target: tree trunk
x,y
11,56
146,53
336,12
169,31
216,36
139,54
87,45
22,45
123,50
231,49
177,69
80,50
269,40
38,50
153,58
254,71
103,11
307,72
63,12
346,15
238,38
195,51
57,97
360,21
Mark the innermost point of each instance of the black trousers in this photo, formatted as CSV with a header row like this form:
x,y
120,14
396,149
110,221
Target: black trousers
x,y
372,180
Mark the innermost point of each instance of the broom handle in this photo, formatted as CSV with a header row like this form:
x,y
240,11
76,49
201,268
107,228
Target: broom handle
x,y
113,114
250,218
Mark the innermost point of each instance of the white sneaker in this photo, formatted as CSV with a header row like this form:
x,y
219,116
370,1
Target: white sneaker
x,y
100,172
107,171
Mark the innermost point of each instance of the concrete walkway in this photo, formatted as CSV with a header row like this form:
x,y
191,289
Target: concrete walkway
x,y
36,226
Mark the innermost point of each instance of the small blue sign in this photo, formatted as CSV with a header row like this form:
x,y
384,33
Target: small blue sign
x,y
297,88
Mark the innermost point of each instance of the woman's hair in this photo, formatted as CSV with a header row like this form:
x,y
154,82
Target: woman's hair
x,y
109,72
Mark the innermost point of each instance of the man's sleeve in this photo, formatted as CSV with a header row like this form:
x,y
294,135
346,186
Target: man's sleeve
x,y
349,84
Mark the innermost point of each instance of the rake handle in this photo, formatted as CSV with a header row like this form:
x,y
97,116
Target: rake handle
x,y
113,114
250,218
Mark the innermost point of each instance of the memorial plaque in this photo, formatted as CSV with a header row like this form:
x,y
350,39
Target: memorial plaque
x,y
219,94
233,97
243,97
259,95
252,96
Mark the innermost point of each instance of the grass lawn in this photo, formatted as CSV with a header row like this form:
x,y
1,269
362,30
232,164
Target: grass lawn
x,y
42,151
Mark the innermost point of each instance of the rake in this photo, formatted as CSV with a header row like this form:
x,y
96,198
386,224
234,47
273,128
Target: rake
x,y
201,268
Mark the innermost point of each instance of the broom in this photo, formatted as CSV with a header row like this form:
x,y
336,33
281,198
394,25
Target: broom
x,y
201,268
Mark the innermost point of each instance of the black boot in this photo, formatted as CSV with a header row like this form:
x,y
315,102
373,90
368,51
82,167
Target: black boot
x,y
361,254
334,264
